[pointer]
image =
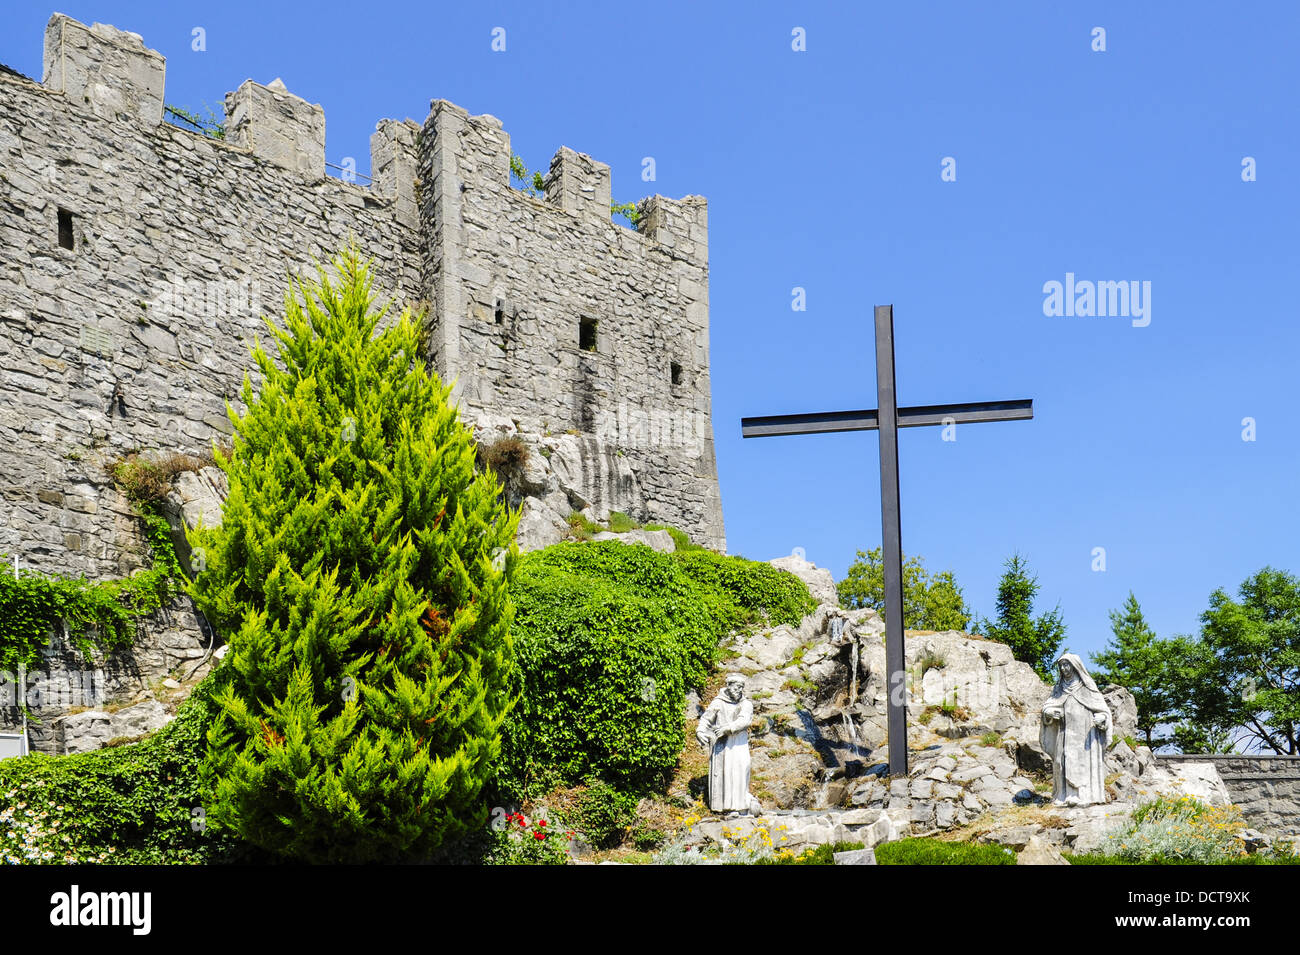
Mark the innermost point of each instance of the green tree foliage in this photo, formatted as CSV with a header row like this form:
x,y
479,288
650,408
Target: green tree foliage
x,y
1239,685
930,602
1137,660
1033,640
361,576
610,637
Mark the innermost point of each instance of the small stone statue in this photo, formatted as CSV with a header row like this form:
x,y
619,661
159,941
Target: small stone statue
x,y
1075,734
724,727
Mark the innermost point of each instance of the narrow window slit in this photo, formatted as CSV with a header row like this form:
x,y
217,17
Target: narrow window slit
x,y
65,229
587,334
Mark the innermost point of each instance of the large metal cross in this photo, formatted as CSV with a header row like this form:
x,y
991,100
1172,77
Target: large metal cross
x,y
887,418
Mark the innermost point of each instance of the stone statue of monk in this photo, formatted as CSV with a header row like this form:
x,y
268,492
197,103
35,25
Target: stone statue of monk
x,y
724,727
1076,732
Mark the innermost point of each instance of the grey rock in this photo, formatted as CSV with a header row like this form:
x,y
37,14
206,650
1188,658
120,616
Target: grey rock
x,y
856,857
1123,710
1040,852
660,541
819,581
945,814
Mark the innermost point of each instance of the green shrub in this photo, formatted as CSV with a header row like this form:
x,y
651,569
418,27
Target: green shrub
x,y
759,589
1177,829
929,660
520,842
360,574
620,523
814,855
604,814
609,637
1102,858
505,456
582,529
647,838
926,851
140,803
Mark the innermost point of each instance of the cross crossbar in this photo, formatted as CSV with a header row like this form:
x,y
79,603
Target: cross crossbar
x,y
917,416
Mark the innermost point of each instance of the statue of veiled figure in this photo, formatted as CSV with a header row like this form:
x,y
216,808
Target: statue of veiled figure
x,y
1076,732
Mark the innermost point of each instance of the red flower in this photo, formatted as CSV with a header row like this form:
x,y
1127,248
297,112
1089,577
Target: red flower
x,y
541,822
539,835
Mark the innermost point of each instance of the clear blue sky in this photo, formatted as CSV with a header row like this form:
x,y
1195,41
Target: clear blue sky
x,y
822,170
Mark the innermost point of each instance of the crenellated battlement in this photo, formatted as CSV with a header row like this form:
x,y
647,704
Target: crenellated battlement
x,y
114,75
138,259
110,71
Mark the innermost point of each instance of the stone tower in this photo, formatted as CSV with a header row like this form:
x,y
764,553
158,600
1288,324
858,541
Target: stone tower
x,y
136,260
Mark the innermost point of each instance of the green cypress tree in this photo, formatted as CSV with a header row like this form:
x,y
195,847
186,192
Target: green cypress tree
x,y
361,576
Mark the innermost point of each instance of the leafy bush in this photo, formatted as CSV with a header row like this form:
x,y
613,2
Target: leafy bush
x,y
680,537
927,851
604,814
360,574
646,837
582,529
930,601
823,854
758,589
620,523
1101,858
137,804
1179,829
609,637
148,482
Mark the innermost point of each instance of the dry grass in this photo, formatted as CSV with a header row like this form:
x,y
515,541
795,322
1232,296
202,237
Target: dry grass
x,y
149,481
506,455
1006,818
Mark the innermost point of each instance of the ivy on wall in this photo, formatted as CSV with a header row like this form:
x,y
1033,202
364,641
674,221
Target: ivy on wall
x,y
98,616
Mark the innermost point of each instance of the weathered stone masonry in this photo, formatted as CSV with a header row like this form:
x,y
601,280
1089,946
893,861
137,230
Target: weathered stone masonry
x,y
137,260
1266,787
138,335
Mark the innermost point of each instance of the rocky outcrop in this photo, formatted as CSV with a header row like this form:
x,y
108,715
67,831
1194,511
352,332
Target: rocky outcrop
x,y
68,687
560,474
819,738
82,732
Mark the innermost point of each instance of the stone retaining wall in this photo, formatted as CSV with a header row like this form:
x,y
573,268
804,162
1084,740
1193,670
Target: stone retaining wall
x,y
1267,788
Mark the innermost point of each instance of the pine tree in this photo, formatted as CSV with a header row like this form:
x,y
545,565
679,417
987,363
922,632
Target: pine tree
x,y
1035,641
361,576
1137,660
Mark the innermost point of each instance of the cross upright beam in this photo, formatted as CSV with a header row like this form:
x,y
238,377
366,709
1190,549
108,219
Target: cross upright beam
x,y
891,532
886,418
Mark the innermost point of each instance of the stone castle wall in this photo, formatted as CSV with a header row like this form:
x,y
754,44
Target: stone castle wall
x,y
1267,788
517,278
138,258
138,335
